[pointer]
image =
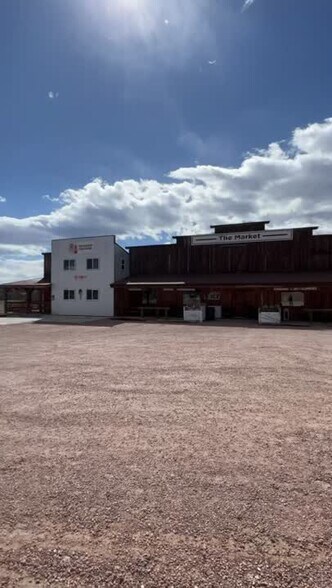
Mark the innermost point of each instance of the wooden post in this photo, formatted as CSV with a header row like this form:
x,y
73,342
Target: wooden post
x,y
28,299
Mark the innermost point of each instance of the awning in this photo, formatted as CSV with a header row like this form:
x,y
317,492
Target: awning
x,y
26,284
230,279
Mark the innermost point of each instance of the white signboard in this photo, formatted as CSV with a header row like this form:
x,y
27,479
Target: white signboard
x,y
248,237
74,247
269,318
194,315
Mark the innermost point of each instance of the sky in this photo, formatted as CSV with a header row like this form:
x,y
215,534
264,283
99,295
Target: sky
x,y
146,118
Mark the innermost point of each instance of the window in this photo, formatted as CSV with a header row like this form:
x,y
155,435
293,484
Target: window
x,y
69,264
122,264
69,294
92,264
149,297
92,294
292,298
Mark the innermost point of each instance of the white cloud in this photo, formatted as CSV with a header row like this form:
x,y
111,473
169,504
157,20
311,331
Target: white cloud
x,y
50,198
247,4
19,269
3,199
289,183
203,149
53,95
20,250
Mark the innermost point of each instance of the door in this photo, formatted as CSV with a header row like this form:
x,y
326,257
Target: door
x,y
244,303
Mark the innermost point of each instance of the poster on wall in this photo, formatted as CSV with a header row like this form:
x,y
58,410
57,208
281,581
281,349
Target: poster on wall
x,y
292,299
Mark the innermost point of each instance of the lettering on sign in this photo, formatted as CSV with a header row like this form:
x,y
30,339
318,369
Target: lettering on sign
x,y
248,237
85,247
74,248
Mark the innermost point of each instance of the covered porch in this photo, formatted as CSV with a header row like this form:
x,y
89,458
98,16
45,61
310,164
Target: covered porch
x,y
301,297
25,297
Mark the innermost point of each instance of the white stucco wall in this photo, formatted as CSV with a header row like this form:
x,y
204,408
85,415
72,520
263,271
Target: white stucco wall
x,y
81,278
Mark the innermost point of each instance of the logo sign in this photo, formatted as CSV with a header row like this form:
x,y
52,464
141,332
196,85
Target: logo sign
x,y
247,237
85,247
74,248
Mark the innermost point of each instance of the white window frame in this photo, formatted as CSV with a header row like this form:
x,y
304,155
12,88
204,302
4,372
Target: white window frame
x,y
92,299
92,259
70,262
68,296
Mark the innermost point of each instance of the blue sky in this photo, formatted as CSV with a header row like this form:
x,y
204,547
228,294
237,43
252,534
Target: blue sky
x,y
178,107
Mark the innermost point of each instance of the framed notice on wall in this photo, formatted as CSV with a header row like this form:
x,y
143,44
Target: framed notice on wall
x,y
292,298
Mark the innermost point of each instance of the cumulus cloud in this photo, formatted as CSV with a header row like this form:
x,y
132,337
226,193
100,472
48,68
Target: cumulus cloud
x,y
289,183
20,250
2,199
15,269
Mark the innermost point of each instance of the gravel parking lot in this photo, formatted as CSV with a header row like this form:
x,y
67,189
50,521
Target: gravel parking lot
x,y
155,455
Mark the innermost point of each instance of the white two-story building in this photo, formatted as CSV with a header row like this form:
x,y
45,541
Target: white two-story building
x,y
83,271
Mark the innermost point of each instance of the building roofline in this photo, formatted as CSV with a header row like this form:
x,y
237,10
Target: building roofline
x,y
306,228
152,245
120,246
87,237
26,284
263,222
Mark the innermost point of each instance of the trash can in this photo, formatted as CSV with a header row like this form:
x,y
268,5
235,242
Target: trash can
x,y
210,313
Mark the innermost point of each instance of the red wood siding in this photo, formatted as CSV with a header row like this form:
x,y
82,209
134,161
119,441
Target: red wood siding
x,y
235,301
304,253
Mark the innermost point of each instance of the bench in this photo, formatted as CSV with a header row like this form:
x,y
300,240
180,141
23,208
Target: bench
x,y
311,311
157,309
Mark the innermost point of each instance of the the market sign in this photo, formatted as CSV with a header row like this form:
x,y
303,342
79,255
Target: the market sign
x,y
243,237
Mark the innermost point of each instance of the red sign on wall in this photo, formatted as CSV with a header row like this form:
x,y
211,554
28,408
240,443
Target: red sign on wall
x,y
73,248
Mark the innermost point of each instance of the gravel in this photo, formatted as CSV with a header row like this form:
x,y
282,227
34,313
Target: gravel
x,y
154,455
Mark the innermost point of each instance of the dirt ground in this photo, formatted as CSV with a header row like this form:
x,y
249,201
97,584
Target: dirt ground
x,y
153,455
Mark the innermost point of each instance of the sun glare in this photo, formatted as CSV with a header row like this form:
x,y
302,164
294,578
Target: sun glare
x,y
128,6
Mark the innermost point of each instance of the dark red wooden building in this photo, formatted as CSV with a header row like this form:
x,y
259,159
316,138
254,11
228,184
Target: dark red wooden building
x,y
238,267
